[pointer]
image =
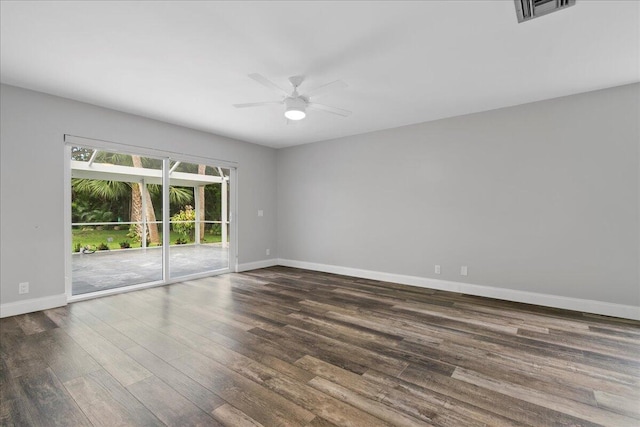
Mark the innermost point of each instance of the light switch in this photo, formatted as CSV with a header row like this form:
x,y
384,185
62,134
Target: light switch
x,y
260,212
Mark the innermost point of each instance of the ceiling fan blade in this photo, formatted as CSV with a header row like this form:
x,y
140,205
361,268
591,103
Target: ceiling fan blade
x,y
327,109
268,83
257,104
338,84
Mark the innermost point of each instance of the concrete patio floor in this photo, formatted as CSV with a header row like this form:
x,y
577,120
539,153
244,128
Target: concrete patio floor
x,y
115,269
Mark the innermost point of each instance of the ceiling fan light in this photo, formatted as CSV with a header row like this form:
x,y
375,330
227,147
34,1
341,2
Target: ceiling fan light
x,y
295,114
295,109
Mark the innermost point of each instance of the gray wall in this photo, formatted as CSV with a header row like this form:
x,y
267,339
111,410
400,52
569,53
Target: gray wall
x,y
32,181
541,197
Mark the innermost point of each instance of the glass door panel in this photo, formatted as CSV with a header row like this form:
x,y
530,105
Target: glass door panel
x,y
198,206
116,232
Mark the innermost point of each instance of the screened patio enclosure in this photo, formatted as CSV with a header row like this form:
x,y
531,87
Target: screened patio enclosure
x,y
121,234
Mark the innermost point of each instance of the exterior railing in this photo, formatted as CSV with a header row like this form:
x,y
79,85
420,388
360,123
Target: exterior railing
x,y
197,238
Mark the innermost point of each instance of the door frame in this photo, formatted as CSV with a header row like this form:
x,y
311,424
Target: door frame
x,y
72,140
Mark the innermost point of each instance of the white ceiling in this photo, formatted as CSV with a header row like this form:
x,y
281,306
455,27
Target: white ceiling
x,y
405,62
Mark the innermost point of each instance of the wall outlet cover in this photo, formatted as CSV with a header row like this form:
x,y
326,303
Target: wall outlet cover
x,y
23,288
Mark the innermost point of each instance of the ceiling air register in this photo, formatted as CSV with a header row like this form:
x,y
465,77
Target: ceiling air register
x,y
529,9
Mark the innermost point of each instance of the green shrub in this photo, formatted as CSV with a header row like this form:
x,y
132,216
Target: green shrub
x,y
103,247
125,245
133,233
135,236
77,247
185,229
216,229
181,241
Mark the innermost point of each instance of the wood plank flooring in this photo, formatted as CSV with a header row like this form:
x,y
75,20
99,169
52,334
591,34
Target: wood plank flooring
x,y
289,347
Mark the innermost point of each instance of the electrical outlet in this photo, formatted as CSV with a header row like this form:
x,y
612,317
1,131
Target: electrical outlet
x,y
23,288
260,212
268,251
437,269
463,270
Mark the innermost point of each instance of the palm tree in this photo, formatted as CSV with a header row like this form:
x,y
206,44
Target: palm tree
x,y
107,190
138,191
92,199
113,190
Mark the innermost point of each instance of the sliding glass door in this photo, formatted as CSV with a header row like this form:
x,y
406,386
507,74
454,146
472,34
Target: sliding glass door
x,y
199,238
118,236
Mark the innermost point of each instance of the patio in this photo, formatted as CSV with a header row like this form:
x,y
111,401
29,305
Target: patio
x,y
114,269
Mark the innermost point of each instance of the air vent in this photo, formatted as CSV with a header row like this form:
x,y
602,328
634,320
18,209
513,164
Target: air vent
x,y
529,9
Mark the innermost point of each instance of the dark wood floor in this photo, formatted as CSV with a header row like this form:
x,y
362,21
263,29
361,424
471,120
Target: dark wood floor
x,y
282,346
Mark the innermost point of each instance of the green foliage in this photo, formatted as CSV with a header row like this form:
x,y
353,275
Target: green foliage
x,y
133,233
181,241
180,195
135,236
110,201
215,229
77,247
105,190
92,238
212,205
177,195
103,247
184,223
97,201
96,215
125,244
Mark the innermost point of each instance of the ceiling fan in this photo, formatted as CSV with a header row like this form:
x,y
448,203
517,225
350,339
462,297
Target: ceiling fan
x,y
295,103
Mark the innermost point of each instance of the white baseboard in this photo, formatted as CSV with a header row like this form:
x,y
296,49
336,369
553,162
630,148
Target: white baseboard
x,y
556,301
257,264
583,305
31,305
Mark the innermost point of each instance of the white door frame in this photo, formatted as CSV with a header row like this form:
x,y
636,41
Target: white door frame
x,y
71,140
